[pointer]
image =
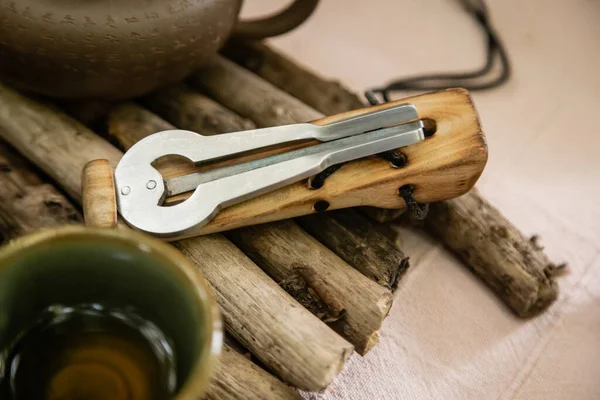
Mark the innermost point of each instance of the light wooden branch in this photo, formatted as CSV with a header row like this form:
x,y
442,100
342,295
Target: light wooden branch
x,y
286,337
511,264
193,111
368,246
328,97
27,203
296,260
238,378
250,96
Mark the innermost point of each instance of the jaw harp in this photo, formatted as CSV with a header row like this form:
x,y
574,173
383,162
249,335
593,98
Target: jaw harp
x,y
141,190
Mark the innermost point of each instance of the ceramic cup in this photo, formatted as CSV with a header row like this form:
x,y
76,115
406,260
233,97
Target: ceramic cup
x,y
125,269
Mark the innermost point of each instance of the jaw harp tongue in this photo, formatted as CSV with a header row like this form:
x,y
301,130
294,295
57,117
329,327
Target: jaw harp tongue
x,y
187,183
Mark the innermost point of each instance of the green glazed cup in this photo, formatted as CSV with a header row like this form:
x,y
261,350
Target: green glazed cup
x,y
82,265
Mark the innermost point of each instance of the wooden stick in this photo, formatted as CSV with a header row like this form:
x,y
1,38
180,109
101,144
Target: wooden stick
x,y
251,97
236,377
361,243
278,248
289,254
532,291
329,97
512,265
193,111
286,337
99,200
28,204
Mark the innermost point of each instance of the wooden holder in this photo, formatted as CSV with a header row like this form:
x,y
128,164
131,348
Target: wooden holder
x,y
443,166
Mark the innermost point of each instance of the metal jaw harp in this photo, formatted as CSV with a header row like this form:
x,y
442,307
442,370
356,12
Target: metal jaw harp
x,y
141,190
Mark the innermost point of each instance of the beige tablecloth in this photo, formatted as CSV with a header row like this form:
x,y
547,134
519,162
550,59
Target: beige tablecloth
x,y
447,337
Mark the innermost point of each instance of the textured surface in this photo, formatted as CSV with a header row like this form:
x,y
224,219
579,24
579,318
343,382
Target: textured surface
x,y
448,337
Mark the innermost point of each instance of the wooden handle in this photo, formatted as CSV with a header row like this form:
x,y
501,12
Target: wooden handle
x,y
443,166
99,198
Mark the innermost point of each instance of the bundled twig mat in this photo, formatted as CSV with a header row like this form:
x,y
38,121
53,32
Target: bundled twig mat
x,y
300,294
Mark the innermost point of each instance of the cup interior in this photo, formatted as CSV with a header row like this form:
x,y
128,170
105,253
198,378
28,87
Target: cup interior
x,y
117,269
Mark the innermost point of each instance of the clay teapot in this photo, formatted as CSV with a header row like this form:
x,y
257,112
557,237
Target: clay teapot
x,y
116,49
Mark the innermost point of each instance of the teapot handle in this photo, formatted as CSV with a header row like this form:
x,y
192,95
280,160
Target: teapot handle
x,y
284,21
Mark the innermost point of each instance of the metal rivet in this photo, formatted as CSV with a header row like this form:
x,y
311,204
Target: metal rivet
x,y
151,185
126,190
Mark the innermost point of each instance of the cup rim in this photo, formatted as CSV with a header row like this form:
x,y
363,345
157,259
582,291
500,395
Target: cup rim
x,y
204,367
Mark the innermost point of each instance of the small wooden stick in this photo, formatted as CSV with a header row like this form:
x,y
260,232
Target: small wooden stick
x,y
250,96
28,204
39,205
301,349
238,378
279,247
499,254
361,243
285,251
326,96
195,112
99,199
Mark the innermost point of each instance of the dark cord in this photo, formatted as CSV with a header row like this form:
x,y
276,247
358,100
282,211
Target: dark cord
x,y
468,80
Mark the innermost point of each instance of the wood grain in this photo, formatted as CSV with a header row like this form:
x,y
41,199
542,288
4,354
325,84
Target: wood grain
x,y
328,97
99,199
27,203
288,254
182,106
238,378
512,265
368,246
296,345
